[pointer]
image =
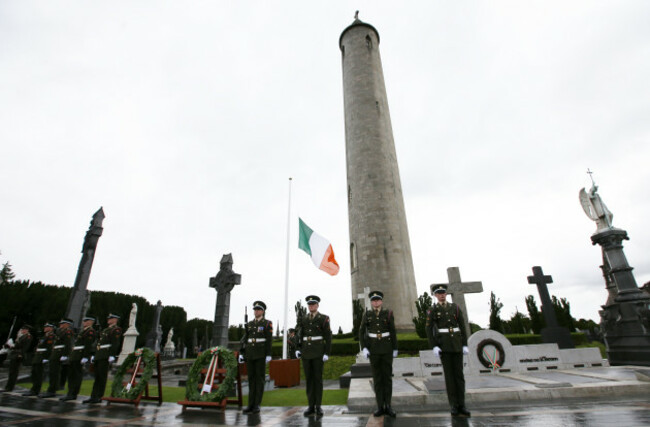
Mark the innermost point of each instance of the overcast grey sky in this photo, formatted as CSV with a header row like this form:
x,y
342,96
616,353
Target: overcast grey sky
x,y
185,121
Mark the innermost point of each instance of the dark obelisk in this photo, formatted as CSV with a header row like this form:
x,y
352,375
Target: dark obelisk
x,y
380,250
223,282
79,292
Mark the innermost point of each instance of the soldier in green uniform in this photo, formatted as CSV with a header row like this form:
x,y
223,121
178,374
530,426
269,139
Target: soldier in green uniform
x,y
448,337
314,347
108,348
81,352
61,347
17,354
256,351
41,357
379,343
292,343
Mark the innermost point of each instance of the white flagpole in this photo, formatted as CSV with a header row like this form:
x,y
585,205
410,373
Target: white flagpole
x,y
286,280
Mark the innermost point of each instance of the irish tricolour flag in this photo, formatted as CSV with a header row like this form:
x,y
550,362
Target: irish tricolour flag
x,y
320,250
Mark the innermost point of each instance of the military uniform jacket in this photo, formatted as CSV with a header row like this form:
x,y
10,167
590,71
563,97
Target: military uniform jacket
x,y
314,336
446,327
44,348
20,347
377,331
108,343
62,343
257,340
84,345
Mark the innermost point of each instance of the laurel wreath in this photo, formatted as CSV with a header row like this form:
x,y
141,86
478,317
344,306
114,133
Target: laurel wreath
x,y
118,389
491,361
192,392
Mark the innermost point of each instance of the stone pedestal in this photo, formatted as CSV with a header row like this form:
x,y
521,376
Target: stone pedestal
x,y
625,321
128,345
170,350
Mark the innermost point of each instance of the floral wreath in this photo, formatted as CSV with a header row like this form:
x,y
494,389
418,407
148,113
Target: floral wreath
x,y
492,361
118,389
192,392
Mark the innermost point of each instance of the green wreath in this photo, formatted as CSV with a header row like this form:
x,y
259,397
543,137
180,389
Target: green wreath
x,y
149,358
192,392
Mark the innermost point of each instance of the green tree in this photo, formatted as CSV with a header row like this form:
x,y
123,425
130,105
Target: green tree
x,y
422,304
536,320
562,310
518,324
357,316
474,328
301,311
6,273
496,324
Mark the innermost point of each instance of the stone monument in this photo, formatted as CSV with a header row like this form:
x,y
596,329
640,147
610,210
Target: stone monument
x,y
457,289
223,282
170,349
78,296
552,333
380,249
154,337
625,317
130,336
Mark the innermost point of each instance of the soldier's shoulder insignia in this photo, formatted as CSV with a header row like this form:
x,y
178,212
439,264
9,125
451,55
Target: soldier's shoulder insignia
x,y
327,319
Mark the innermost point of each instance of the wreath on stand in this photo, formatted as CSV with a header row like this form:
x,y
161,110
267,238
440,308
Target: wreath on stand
x,y
118,389
229,363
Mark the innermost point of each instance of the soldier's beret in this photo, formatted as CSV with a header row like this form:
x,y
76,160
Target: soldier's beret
x,y
260,305
89,318
66,321
113,316
312,299
376,295
439,289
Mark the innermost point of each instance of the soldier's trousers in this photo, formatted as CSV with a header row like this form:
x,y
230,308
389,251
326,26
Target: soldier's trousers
x,y
256,374
382,377
452,365
75,373
37,376
101,375
314,376
14,367
55,372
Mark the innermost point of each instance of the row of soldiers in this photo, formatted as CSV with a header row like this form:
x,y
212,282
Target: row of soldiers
x,y
61,346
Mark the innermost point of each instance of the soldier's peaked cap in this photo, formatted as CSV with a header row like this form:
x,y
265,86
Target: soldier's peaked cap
x,y
260,305
376,295
439,289
66,321
49,325
113,316
312,299
89,318
26,326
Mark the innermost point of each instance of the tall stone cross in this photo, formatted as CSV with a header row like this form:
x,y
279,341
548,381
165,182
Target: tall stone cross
x,y
364,297
223,282
538,278
457,289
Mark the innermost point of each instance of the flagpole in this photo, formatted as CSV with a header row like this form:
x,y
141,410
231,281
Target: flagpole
x,y
286,280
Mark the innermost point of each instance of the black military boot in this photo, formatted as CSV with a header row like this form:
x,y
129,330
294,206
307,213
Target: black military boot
x,y
379,412
454,411
462,410
310,411
389,411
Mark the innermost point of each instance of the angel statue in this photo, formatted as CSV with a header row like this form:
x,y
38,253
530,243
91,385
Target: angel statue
x,y
595,208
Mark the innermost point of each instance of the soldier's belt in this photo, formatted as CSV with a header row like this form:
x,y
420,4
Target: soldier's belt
x,y
449,330
56,347
316,338
379,335
78,347
103,346
254,340
40,350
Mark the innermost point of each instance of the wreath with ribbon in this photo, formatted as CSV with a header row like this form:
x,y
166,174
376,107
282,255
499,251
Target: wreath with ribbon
x,y
149,359
491,361
227,357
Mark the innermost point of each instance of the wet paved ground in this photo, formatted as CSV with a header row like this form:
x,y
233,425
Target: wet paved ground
x,y
29,411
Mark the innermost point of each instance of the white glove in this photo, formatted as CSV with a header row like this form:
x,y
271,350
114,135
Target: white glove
x,y
298,354
63,358
325,357
45,360
365,352
436,351
111,359
465,350
241,358
92,359
10,343
268,359
84,360
394,354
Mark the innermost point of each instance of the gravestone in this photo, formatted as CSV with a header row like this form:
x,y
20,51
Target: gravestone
x,y
552,333
457,289
130,336
78,296
154,337
169,351
223,282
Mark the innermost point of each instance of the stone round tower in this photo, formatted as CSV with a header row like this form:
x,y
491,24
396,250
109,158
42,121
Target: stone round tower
x,y
380,250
